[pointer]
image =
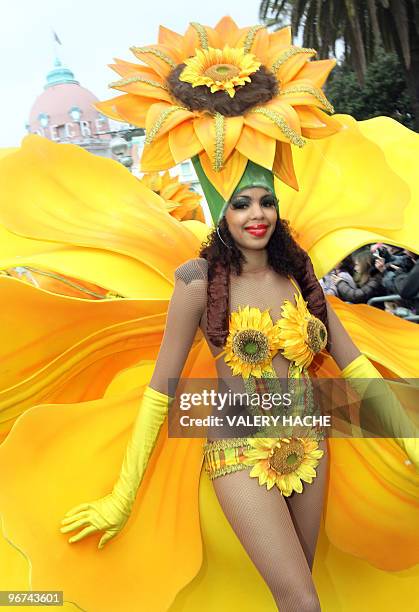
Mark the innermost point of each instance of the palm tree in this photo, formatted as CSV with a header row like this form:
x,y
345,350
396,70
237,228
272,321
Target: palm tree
x,y
365,27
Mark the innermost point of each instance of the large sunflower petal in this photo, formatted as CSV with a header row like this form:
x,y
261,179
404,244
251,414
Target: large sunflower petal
x,y
128,107
257,146
143,84
198,36
157,156
326,201
316,72
283,166
228,31
280,39
161,58
161,118
183,142
288,62
169,38
302,92
284,118
255,40
226,180
219,141
127,69
316,124
111,218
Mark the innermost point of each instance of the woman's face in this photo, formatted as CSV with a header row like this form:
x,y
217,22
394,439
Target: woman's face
x,y
251,217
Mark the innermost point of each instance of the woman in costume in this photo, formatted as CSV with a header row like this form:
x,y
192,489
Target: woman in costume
x,y
110,513
236,294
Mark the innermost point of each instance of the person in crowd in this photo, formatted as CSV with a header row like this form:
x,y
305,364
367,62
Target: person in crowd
x,y
367,280
343,270
407,285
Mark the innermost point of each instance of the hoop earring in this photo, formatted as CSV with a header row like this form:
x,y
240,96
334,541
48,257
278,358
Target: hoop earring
x,y
219,236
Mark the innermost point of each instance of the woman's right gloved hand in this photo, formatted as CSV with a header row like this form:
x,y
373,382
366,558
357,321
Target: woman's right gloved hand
x,y
110,513
105,514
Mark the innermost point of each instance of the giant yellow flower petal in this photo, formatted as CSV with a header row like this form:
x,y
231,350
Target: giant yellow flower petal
x,y
341,199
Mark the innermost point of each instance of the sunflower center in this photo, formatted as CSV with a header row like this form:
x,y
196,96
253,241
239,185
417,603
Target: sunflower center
x,y
286,458
316,335
251,348
221,72
251,345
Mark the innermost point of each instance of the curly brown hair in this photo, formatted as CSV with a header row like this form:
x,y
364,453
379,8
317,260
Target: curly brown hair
x,y
285,257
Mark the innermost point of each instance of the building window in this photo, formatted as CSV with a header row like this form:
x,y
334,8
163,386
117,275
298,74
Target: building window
x,y
75,113
43,119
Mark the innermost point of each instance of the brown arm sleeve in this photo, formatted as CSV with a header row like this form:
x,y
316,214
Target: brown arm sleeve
x,y
184,314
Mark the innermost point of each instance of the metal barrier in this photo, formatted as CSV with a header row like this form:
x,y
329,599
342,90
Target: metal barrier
x,y
384,298
392,298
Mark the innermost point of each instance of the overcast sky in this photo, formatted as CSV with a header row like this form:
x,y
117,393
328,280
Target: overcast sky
x,y
92,32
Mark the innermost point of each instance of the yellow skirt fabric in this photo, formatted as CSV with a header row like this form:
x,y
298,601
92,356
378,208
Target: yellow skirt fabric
x,y
73,370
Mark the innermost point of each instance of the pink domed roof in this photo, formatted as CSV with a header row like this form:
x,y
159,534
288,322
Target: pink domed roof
x,y
58,100
64,111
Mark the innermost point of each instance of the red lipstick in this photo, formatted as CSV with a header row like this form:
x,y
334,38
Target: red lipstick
x,y
258,230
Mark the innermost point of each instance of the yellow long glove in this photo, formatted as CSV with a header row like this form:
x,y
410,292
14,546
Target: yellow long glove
x,y
110,513
378,397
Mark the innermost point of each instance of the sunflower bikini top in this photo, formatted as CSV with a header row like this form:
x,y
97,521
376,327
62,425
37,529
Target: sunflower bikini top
x,y
254,340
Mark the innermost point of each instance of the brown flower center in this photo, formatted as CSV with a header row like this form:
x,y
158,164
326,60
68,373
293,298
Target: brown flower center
x,y
262,88
316,334
221,72
286,458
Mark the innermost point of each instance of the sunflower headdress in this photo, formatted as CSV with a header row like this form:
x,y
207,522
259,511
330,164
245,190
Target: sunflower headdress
x,y
231,99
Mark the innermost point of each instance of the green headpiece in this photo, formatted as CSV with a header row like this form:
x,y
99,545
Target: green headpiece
x,y
253,176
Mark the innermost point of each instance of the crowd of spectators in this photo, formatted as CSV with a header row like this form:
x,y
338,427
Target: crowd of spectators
x,y
378,271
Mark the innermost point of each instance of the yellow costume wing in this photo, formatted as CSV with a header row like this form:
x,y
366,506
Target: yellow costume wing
x,y
177,551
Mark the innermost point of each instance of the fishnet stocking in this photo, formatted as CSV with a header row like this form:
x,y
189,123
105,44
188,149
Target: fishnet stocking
x,y
306,508
263,524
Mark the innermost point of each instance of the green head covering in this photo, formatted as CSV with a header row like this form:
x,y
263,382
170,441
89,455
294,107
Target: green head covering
x,y
253,176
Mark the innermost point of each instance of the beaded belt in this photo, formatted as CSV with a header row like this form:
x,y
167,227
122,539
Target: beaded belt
x,y
225,456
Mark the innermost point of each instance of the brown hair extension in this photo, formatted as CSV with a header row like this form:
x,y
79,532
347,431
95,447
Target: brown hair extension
x,y
285,257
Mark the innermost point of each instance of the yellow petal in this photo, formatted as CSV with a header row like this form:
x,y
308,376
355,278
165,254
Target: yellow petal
x,y
257,147
226,180
161,58
183,142
157,156
228,30
316,72
325,205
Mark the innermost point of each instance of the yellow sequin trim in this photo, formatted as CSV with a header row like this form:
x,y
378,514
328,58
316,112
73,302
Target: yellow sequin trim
x,y
312,91
250,37
152,133
285,55
137,79
219,123
225,443
202,34
280,122
165,58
